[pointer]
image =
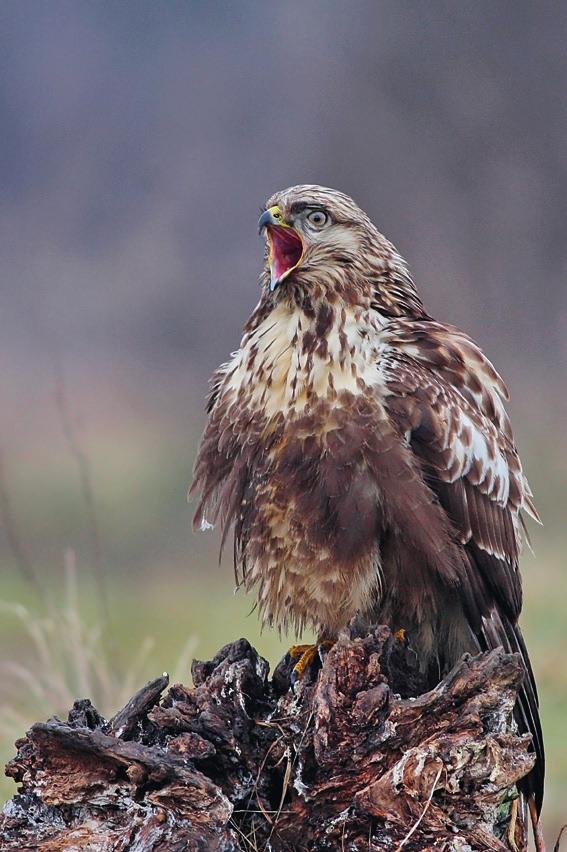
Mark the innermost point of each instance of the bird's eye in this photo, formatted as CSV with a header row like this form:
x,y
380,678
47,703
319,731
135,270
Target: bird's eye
x,y
318,218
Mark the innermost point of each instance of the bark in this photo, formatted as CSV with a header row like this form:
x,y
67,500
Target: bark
x,y
339,761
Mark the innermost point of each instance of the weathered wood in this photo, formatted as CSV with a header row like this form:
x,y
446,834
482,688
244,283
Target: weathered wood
x,y
241,762
124,722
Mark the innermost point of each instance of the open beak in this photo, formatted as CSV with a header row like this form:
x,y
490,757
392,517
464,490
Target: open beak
x,y
285,245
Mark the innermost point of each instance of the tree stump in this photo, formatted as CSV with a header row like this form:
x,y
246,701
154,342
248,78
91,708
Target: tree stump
x,y
343,760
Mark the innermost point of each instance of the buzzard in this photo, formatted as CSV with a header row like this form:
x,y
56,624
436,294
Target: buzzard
x,y
361,453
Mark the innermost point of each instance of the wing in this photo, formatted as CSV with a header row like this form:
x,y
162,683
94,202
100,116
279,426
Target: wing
x,y
448,401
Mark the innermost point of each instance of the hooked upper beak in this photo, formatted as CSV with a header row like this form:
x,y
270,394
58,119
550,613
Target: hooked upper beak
x,y
267,218
285,245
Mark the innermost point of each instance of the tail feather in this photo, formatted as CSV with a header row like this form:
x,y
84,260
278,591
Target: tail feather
x,y
496,630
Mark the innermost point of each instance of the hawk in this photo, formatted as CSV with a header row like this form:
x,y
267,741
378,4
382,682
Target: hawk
x,y
362,455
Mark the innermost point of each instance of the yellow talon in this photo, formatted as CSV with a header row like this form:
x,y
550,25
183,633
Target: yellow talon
x,y
306,654
400,635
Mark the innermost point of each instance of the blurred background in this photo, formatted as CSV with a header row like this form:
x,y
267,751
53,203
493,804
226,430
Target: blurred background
x,y
138,141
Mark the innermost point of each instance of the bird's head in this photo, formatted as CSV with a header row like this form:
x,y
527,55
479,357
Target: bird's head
x,y
308,227
318,239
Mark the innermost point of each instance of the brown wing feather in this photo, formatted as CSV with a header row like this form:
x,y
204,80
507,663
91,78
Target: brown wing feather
x,y
447,401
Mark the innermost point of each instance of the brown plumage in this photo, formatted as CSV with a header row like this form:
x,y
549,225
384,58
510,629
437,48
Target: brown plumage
x,y
362,455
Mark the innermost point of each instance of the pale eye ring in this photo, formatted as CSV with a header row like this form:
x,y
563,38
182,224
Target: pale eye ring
x,y
318,218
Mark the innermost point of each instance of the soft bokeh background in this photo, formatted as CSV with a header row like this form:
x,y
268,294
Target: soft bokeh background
x,y
138,140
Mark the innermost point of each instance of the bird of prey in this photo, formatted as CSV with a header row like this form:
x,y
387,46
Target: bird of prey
x,y
361,453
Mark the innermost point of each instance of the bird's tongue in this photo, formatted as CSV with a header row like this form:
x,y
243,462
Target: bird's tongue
x,y
287,249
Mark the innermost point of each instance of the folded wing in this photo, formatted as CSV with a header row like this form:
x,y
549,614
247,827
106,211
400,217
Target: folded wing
x,y
447,400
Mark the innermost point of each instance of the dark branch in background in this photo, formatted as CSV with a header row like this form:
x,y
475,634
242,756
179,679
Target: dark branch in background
x,y
241,762
85,482
15,542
